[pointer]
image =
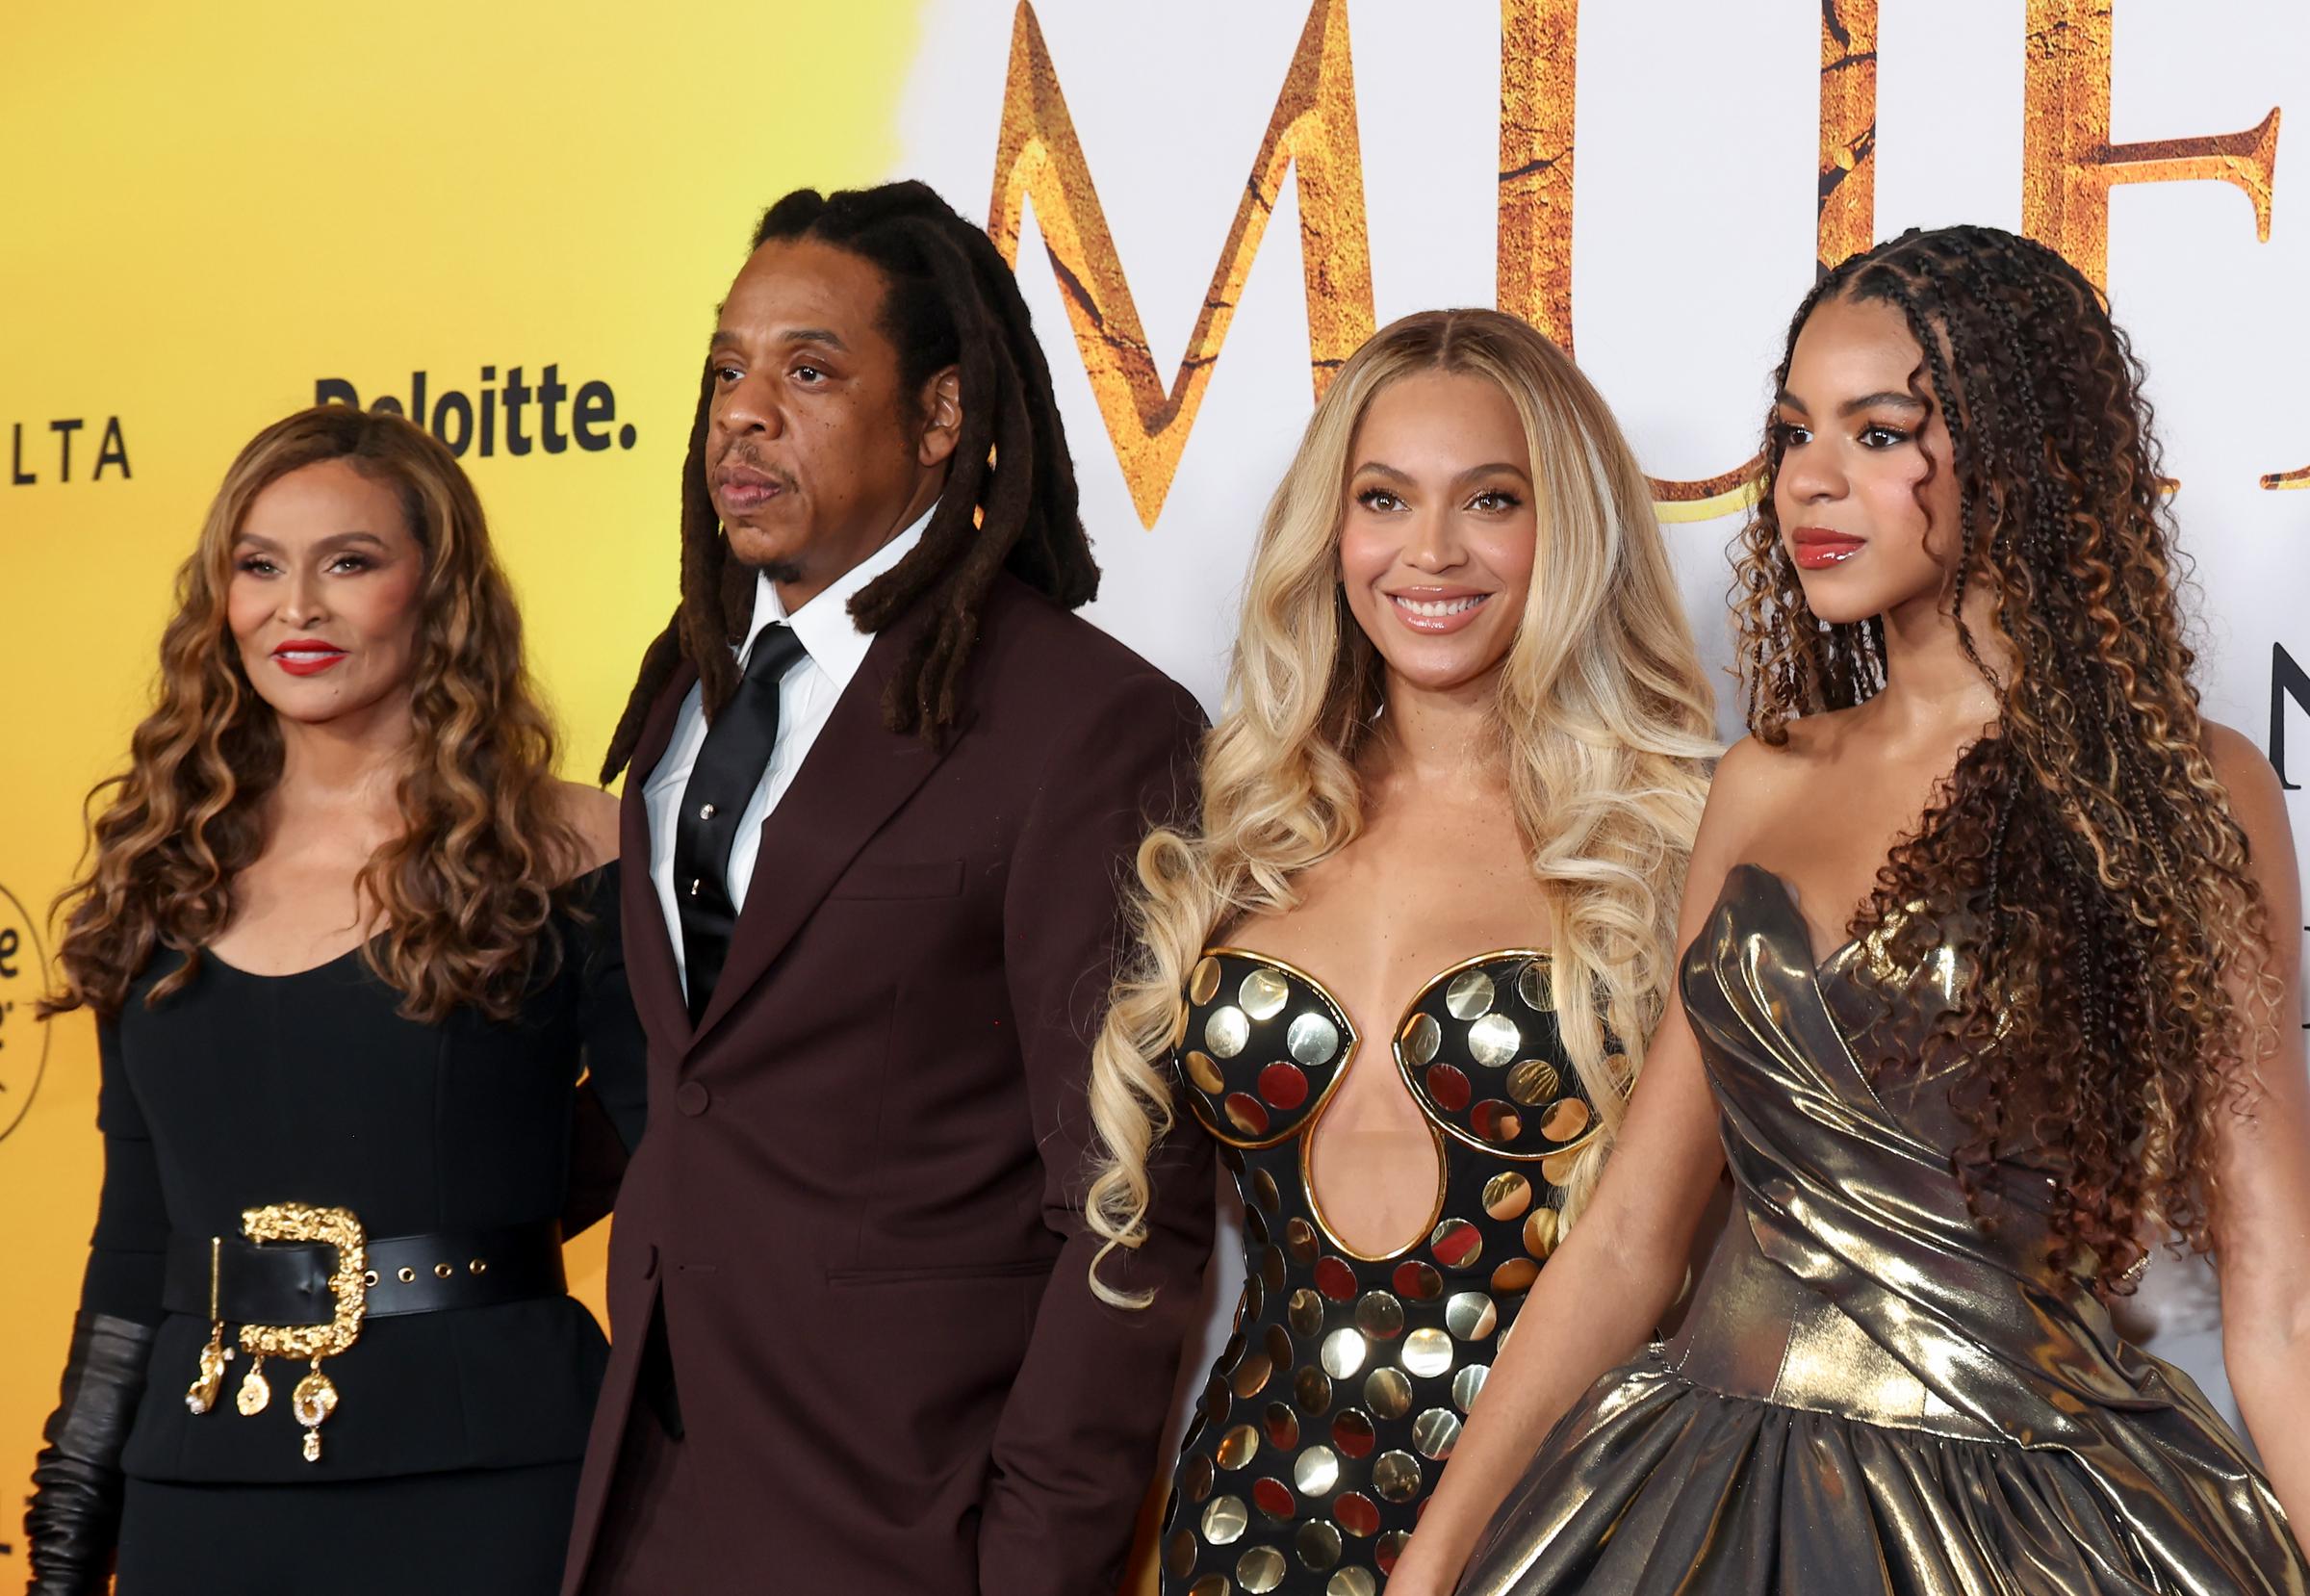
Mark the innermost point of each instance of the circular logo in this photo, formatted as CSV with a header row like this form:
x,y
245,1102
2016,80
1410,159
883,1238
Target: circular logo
x,y
23,1038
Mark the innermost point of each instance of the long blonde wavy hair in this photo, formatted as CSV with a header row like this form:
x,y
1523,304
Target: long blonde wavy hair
x,y
463,891
1604,720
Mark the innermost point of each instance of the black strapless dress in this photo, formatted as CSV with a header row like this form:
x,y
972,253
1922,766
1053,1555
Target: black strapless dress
x,y
1341,1392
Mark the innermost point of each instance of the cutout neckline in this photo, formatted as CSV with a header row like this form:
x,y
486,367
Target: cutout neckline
x,y
1403,1015
1353,1040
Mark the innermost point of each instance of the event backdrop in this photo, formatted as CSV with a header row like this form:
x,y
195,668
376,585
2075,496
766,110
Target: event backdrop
x,y
218,214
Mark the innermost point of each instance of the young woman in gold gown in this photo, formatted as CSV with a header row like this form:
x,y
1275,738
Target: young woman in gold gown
x,y
2062,1023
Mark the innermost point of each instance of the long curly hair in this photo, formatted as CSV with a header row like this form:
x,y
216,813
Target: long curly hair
x,y
1605,723
2087,839
462,894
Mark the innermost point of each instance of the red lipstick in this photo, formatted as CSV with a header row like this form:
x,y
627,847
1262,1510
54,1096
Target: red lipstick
x,y
1819,547
307,656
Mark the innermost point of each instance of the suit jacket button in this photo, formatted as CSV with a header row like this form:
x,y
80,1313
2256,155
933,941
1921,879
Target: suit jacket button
x,y
692,1098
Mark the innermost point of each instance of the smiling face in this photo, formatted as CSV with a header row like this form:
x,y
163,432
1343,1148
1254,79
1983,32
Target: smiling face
x,y
1437,543
817,450
323,599
1866,492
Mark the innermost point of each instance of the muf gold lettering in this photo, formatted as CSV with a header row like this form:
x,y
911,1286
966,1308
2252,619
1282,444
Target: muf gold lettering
x,y
2068,168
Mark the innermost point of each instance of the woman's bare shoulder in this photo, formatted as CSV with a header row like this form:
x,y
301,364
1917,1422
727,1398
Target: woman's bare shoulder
x,y
594,814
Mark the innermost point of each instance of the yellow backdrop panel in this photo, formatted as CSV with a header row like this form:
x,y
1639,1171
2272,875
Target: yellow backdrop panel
x,y
211,209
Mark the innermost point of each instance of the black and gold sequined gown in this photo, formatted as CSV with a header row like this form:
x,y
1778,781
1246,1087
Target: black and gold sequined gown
x,y
1871,1395
1341,1392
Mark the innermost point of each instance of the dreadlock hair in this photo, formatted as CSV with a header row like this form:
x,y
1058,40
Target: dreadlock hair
x,y
2086,842
1009,499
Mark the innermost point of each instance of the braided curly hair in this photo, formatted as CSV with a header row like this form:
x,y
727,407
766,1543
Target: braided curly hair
x,y
2088,838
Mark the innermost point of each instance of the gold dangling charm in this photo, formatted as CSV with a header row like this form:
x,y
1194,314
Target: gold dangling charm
x,y
314,1400
255,1392
201,1395
314,1397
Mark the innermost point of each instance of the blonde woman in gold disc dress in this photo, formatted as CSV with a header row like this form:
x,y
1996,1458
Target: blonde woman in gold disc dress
x,y
2060,1024
1400,968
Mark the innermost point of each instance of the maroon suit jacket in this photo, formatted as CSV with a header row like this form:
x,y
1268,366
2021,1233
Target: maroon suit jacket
x,y
859,1200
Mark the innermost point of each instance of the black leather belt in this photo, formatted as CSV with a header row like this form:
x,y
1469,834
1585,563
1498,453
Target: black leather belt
x,y
288,1283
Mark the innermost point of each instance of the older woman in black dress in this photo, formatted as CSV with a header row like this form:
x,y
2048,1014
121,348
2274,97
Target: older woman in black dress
x,y
351,948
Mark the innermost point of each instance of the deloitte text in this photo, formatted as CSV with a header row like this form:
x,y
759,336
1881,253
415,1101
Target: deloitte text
x,y
508,415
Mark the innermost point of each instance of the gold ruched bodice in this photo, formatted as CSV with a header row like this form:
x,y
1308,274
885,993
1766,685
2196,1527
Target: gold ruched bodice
x,y
1872,1393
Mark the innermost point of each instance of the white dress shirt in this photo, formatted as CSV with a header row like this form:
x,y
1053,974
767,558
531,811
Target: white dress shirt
x,y
833,649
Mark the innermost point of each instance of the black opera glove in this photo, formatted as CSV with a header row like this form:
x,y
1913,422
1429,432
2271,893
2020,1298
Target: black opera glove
x,y
73,1521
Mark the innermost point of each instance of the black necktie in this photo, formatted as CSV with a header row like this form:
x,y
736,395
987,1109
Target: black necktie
x,y
729,766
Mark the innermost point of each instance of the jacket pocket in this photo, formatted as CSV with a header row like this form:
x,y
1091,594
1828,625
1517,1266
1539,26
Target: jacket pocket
x,y
871,879
907,1274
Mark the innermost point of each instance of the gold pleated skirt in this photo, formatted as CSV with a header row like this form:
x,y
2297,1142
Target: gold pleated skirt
x,y
1873,1396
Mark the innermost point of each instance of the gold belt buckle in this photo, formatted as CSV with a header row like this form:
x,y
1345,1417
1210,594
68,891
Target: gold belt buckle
x,y
315,1397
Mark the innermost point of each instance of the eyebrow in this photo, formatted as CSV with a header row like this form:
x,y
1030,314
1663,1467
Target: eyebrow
x,y
335,540
1379,468
724,338
1853,406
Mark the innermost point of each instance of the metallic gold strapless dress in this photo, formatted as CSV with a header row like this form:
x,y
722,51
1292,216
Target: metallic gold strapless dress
x,y
1871,1395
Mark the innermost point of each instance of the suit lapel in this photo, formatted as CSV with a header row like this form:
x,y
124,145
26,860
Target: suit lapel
x,y
857,775
649,943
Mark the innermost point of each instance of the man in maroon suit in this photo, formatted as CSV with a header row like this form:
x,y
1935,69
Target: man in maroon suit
x,y
884,791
